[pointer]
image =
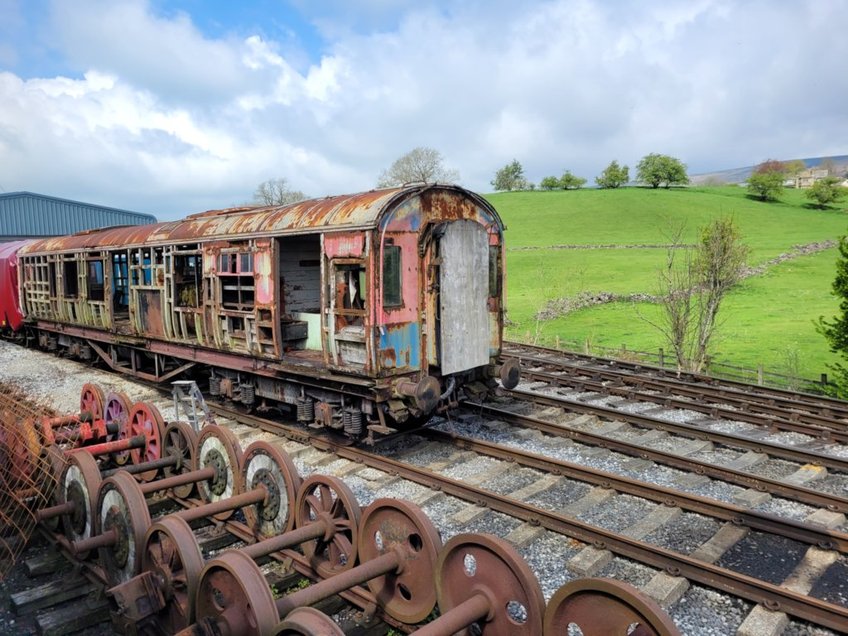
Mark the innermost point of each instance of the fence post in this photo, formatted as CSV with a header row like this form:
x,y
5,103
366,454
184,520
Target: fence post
x,y
760,374
586,346
662,357
557,342
824,379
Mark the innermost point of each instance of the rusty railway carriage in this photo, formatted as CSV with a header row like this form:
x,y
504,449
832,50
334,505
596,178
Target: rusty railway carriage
x,y
362,312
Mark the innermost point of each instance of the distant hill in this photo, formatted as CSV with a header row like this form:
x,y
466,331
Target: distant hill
x,y
740,175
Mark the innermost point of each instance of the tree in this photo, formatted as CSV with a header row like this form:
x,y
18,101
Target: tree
x,y
549,183
691,292
766,186
835,331
277,192
569,182
613,176
770,165
419,165
825,191
510,177
657,170
793,168
766,182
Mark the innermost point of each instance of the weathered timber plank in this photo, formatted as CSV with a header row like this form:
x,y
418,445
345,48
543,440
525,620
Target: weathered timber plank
x,y
72,618
44,563
51,593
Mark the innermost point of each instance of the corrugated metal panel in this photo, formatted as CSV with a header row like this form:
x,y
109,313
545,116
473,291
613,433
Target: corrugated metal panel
x,y
29,214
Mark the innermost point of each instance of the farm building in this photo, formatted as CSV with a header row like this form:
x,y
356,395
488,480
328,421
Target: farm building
x,y
806,178
29,215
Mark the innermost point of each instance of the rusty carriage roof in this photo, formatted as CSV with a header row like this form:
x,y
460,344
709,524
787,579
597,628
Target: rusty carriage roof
x,y
337,213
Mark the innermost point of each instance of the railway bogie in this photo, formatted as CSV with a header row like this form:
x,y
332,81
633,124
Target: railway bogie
x,y
361,313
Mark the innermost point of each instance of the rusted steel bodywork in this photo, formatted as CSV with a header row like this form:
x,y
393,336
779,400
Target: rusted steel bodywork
x,y
343,287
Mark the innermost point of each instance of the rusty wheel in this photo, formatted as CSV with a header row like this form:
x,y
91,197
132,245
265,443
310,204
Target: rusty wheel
x,y
328,499
266,465
605,606
121,507
92,401
51,480
218,447
180,441
400,526
172,554
117,411
146,420
79,484
481,564
308,621
232,594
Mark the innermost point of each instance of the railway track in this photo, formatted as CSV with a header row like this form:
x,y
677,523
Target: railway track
x,y
643,378
581,491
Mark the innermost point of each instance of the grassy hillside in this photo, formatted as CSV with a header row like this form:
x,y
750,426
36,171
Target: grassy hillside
x,y
768,319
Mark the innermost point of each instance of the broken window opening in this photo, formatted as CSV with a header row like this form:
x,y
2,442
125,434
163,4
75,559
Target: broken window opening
x,y
187,277
120,282
94,281
70,282
235,276
350,282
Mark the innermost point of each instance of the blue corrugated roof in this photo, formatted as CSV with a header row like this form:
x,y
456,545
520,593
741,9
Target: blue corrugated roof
x,y
27,214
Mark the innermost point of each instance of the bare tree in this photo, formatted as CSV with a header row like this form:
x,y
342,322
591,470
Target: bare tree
x,y
692,286
675,282
719,264
419,165
277,192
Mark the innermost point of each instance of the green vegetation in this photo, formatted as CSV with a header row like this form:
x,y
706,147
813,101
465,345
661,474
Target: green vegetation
x,y
510,177
766,183
766,319
661,170
613,176
826,191
836,329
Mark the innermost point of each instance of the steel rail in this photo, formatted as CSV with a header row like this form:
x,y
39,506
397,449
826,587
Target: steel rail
x,y
773,596
774,487
791,413
793,398
772,524
690,430
822,433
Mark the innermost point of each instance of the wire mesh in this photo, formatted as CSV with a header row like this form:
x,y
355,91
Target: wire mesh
x,y
29,472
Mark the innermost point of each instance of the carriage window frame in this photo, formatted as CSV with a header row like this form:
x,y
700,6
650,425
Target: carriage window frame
x,y
392,276
95,279
237,280
70,278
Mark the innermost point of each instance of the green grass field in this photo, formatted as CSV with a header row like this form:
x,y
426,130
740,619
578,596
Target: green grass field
x,y
766,320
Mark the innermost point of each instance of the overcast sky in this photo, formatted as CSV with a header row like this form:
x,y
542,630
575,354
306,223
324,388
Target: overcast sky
x,y
177,106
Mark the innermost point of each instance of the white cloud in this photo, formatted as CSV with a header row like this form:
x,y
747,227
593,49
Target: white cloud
x,y
165,119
